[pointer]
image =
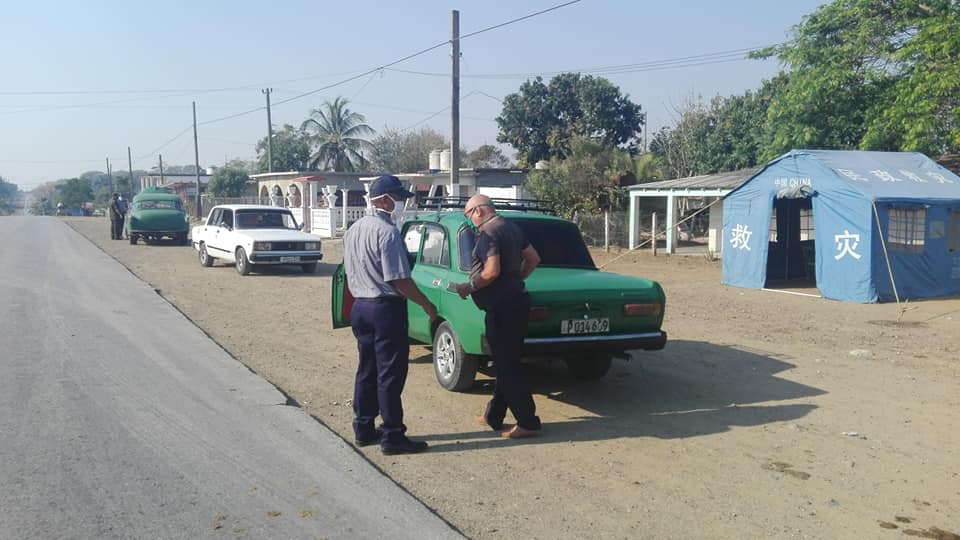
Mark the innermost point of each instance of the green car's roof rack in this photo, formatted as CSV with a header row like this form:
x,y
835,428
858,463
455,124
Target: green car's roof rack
x,y
520,205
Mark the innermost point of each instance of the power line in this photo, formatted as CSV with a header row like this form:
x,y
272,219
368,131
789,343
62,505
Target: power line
x,y
525,17
654,65
395,62
164,145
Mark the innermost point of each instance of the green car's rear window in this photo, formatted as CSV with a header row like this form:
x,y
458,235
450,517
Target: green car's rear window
x,y
558,242
164,204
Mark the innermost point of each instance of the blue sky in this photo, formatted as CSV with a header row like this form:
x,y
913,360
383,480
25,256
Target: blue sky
x,y
82,81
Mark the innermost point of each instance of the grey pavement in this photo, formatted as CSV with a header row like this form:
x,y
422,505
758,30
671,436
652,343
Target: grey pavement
x,y
119,418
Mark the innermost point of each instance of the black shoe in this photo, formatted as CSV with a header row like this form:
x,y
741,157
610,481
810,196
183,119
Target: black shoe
x,y
406,446
367,440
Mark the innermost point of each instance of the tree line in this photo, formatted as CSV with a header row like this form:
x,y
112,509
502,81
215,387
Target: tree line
x,y
857,74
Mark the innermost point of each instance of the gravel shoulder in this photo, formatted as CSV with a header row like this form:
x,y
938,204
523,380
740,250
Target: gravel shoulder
x,y
767,415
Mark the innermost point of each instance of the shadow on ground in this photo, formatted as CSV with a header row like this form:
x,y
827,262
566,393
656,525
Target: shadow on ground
x,y
689,389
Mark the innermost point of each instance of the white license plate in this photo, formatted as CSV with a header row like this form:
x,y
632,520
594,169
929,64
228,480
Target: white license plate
x,y
584,326
289,259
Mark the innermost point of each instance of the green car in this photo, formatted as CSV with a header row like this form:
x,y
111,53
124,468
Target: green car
x,y
578,313
154,214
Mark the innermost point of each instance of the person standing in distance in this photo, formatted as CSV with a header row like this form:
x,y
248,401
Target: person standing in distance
x,y
502,259
378,275
116,218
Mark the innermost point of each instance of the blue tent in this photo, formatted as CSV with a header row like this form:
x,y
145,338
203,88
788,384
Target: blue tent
x,y
864,226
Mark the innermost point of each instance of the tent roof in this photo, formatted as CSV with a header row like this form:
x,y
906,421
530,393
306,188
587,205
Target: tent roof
x,y
886,175
725,180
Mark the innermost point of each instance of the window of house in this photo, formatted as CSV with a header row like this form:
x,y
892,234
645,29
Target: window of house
x,y
806,224
434,247
905,229
773,225
953,234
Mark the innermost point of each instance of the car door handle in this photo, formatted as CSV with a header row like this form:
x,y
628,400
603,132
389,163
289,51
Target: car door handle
x,y
436,282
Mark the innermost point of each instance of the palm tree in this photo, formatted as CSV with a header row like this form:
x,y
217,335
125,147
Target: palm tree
x,y
336,131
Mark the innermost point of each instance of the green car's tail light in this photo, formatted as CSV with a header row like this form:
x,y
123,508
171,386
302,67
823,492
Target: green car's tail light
x,y
636,310
538,313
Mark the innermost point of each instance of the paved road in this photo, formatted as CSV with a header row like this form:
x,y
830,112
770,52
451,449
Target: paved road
x,y
121,419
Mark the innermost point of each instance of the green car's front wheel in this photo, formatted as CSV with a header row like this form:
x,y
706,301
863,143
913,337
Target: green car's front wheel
x,y
455,369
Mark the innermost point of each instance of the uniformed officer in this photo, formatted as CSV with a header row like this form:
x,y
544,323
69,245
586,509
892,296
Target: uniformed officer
x,y
116,218
378,274
502,259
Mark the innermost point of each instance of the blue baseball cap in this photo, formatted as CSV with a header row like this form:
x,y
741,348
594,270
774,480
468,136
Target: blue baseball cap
x,y
388,184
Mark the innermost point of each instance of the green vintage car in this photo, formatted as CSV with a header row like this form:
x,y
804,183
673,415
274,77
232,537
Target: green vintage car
x,y
578,313
155,214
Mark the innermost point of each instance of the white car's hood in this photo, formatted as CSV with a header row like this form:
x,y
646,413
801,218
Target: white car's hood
x,y
278,235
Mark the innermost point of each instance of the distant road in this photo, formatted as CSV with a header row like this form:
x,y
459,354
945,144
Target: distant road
x,y
119,418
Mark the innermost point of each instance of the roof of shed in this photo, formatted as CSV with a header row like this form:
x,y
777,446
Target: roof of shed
x,y
725,180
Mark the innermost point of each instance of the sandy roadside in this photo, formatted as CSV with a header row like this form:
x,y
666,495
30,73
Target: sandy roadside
x,y
740,428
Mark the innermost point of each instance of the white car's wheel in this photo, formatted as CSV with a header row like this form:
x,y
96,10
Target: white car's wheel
x,y
243,264
205,258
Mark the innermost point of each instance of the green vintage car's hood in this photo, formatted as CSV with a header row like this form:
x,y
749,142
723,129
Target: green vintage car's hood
x,y
559,284
158,220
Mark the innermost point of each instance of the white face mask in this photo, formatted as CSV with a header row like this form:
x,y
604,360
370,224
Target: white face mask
x,y
396,214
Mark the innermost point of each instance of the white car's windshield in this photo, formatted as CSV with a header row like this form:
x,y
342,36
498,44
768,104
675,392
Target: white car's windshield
x,y
265,219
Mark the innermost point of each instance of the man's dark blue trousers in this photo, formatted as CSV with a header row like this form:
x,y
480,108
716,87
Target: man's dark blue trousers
x,y
380,326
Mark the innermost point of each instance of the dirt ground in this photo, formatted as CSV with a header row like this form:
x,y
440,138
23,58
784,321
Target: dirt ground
x,y
767,415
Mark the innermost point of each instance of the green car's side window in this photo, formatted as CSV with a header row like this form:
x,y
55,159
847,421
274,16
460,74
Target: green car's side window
x,y
466,239
411,240
435,252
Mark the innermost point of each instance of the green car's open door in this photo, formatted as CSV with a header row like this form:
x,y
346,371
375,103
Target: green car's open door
x,y
341,301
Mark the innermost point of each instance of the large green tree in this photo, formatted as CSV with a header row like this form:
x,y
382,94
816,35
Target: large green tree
x,y
8,196
871,74
541,120
486,156
588,179
228,182
74,191
398,151
291,151
337,137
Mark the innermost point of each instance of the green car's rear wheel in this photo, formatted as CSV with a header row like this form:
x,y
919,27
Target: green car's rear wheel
x,y
455,369
589,368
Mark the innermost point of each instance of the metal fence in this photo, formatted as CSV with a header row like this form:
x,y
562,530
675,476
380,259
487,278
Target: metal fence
x,y
613,229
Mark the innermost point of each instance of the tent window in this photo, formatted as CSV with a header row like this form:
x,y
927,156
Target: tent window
x,y
773,226
906,229
953,236
806,224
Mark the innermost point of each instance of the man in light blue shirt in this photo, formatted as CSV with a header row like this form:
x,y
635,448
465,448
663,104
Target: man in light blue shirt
x,y
378,275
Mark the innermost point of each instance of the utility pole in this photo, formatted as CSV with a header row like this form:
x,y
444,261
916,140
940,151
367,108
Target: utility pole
x,y
645,128
162,181
130,168
196,159
455,106
113,188
267,92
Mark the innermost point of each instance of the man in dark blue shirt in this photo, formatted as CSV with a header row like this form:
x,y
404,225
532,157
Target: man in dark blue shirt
x,y
503,258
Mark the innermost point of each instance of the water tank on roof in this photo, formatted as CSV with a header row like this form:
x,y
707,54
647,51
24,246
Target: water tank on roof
x,y
445,160
434,161
211,171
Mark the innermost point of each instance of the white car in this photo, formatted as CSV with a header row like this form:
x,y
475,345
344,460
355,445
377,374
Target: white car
x,y
252,235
